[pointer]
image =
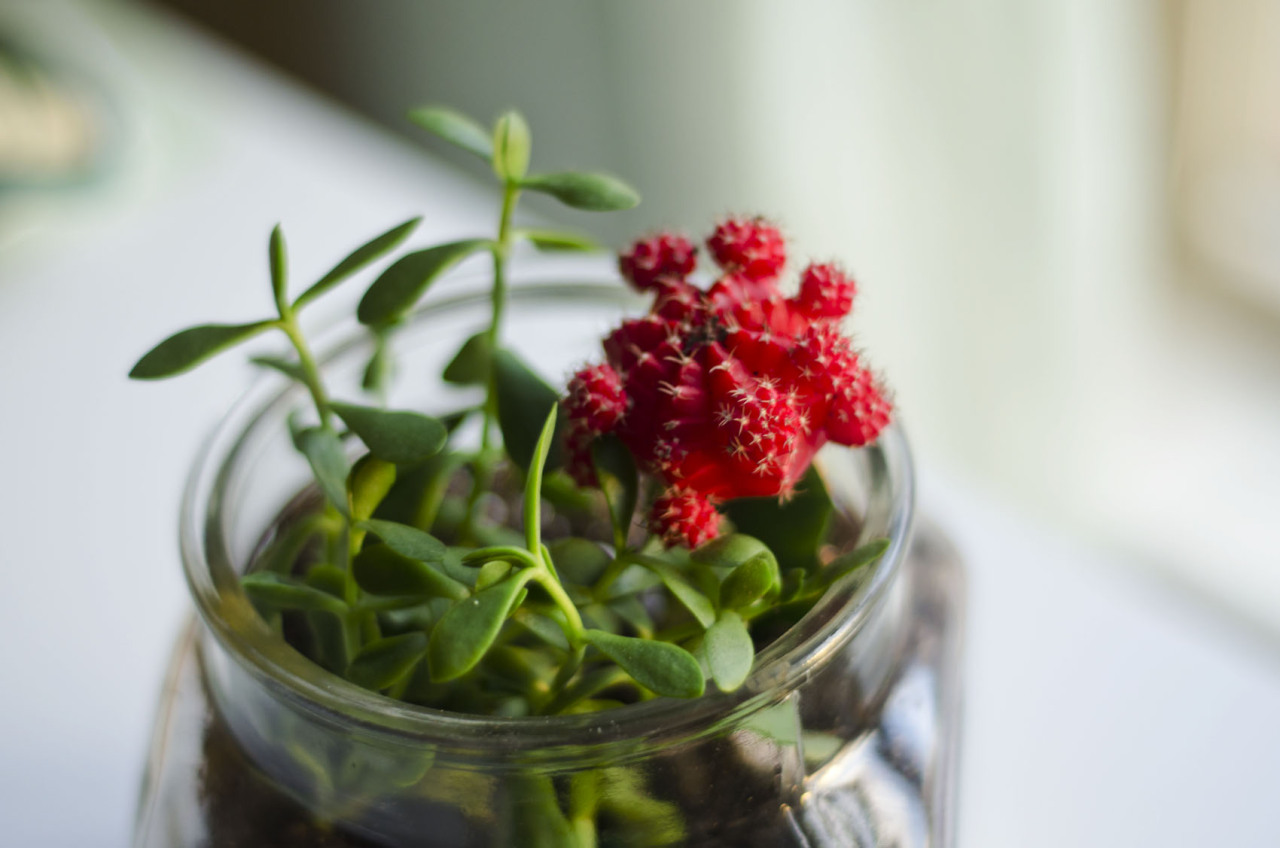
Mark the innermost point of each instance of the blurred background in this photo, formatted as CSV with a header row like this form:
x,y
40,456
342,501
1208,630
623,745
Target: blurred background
x,y
1064,215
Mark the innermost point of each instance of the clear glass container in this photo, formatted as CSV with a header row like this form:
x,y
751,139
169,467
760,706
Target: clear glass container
x,y
844,735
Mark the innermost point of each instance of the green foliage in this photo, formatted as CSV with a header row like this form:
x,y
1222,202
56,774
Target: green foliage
x,y
399,287
323,450
187,348
292,370
461,637
750,581
395,436
729,651
793,529
455,128
278,261
661,667
382,570
407,541
524,401
616,473
511,147
557,241
592,192
364,255
472,363
383,662
279,592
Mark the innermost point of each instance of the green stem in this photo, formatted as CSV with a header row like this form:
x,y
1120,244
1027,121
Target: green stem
x,y
310,371
483,467
547,580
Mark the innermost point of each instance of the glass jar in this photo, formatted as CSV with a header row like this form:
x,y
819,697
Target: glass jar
x,y
844,735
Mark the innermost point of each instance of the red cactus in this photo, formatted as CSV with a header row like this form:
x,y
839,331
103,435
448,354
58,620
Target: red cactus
x,y
662,255
727,393
751,247
684,517
825,292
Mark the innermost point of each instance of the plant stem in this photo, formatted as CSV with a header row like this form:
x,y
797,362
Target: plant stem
x,y
483,467
310,371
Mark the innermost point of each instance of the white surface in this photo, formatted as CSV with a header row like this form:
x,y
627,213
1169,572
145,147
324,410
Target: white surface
x,y
1101,710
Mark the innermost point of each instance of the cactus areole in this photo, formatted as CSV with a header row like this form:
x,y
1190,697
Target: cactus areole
x,y
725,392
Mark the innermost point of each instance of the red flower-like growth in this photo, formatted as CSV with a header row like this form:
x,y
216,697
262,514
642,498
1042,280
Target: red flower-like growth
x,y
727,393
651,259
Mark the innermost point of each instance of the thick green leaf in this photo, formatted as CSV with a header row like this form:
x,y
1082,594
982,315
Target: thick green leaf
x,y
381,570
384,661
187,348
470,366
793,530
277,257
323,450
491,573
466,631
750,581
367,253
730,651
377,371
511,146
286,593
396,436
729,551
369,482
593,192
398,288
286,367
579,560
618,479
328,578
692,600
853,561
406,540
558,240
661,667
524,401
455,128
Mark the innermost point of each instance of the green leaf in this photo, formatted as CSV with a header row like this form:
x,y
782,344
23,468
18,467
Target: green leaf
x,y
290,369
377,371
524,401
511,146
381,570
729,551
408,541
279,265
693,600
853,561
730,651
187,348
455,128
468,628
395,436
363,255
750,581
533,483
579,560
369,482
492,573
661,667
328,578
385,661
618,479
323,450
277,591
471,365
593,192
558,240
793,530
399,287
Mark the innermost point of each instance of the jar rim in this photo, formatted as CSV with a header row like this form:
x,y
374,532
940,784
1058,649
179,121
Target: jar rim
x,y
213,580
